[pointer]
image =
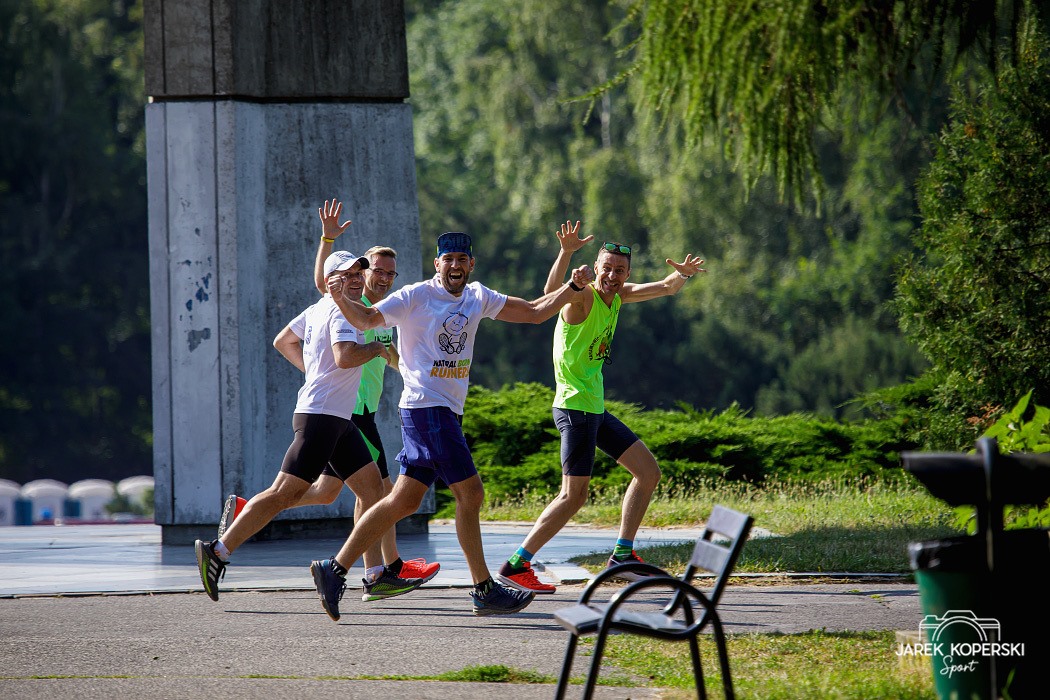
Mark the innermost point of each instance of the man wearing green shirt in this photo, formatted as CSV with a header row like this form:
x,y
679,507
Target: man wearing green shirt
x,y
582,345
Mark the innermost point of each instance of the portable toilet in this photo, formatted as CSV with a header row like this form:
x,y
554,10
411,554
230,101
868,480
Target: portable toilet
x,y
136,489
47,496
9,493
93,495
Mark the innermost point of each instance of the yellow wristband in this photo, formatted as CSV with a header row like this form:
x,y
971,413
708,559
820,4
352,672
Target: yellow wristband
x,y
327,240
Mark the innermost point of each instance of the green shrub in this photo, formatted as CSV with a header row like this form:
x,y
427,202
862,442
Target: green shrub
x,y
516,446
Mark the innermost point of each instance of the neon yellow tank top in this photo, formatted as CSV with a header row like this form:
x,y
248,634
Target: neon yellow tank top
x,y
579,353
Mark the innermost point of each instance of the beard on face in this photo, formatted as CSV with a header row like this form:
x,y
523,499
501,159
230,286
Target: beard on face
x,y
455,286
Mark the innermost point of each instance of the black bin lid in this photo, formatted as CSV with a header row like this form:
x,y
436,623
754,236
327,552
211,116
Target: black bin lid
x,y
958,479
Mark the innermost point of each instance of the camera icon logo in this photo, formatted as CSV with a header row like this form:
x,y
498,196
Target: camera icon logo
x,y
986,628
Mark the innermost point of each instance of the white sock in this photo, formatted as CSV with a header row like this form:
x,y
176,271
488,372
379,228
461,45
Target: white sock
x,y
221,551
374,572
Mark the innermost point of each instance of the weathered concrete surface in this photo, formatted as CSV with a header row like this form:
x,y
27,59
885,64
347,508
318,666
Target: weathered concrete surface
x,y
234,189
276,50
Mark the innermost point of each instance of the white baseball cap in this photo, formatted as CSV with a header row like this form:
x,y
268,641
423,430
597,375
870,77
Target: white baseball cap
x,y
342,260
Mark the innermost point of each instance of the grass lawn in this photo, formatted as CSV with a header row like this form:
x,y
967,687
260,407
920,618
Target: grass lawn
x,y
813,665
831,527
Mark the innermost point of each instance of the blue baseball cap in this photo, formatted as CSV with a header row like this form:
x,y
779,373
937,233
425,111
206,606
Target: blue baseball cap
x,y
454,242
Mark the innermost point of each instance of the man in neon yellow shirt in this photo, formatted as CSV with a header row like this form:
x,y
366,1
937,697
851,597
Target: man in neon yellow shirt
x,y
582,344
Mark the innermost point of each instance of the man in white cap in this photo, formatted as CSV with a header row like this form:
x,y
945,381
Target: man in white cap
x,y
329,351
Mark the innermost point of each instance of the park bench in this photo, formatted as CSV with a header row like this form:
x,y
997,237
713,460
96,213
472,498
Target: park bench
x,y
686,613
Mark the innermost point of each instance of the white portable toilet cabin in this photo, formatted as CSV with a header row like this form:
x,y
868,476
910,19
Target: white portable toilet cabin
x,y
135,488
94,495
48,497
9,493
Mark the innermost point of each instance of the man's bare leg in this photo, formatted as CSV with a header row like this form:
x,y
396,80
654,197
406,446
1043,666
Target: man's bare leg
x,y
638,460
322,492
389,540
367,485
283,494
470,494
403,501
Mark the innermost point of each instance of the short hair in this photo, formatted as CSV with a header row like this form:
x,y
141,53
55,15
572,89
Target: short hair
x,y
380,250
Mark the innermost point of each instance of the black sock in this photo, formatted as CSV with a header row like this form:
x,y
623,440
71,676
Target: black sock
x,y
338,568
394,567
484,587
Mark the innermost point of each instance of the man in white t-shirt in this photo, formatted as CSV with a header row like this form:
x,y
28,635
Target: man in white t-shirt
x,y
437,322
321,343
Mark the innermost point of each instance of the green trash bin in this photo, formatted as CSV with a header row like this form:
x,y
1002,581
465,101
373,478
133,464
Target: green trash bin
x,y
987,633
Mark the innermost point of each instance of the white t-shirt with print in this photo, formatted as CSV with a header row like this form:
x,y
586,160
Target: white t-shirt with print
x,y
328,389
436,332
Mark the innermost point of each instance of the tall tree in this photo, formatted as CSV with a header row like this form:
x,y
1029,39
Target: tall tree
x,y
760,76
977,301
75,372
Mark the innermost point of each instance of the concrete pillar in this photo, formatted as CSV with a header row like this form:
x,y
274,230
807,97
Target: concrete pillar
x,y
259,110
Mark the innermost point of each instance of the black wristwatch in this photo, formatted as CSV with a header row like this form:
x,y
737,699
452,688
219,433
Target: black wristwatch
x,y
573,287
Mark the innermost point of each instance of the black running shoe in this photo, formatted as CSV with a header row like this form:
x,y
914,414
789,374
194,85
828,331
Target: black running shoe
x,y
388,585
211,568
628,575
330,586
501,600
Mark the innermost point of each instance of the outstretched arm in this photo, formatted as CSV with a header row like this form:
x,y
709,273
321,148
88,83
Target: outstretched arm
x,y
331,229
517,310
669,285
570,242
360,316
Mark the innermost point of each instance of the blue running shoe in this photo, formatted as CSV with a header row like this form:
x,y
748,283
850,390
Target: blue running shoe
x,y
330,586
501,600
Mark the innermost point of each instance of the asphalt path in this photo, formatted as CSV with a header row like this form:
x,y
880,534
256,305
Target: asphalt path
x,y
281,643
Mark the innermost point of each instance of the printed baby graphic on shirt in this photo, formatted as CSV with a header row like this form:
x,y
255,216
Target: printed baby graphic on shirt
x,y
453,340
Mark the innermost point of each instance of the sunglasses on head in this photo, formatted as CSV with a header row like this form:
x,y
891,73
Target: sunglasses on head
x,y
617,248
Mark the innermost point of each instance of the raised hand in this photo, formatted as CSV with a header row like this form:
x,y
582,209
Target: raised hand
x,y
568,237
329,214
688,267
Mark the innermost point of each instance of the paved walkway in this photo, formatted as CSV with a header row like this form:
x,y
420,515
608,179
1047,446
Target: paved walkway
x,y
154,634
81,558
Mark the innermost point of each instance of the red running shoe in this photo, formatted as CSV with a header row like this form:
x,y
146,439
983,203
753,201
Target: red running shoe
x,y
419,568
524,578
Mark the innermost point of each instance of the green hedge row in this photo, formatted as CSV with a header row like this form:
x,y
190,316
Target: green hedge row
x,y
516,446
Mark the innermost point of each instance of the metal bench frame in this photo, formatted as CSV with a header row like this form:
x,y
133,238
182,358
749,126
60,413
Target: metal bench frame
x,y
678,620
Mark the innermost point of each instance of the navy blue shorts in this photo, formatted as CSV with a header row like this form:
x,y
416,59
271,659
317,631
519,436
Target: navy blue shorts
x,y
434,446
325,440
582,432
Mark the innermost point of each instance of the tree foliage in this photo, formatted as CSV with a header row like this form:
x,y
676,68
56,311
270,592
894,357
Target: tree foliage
x,y
792,312
75,372
977,301
761,76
